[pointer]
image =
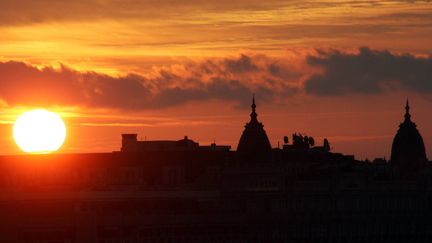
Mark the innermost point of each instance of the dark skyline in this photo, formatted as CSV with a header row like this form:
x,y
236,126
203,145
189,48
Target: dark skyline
x,y
171,190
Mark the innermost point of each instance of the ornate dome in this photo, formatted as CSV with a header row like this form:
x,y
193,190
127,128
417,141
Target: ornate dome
x,y
254,145
408,150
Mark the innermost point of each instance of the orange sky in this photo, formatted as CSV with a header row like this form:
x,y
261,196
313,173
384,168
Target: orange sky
x,y
165,69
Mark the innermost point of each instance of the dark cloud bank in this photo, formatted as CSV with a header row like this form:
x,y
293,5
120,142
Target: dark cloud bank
x,y
23,84
231,79
368,71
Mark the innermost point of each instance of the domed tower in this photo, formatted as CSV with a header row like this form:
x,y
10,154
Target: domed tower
x,y
408,150
254,145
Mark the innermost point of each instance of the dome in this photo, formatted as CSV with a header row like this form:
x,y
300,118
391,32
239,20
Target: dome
x,y
254,145
408,150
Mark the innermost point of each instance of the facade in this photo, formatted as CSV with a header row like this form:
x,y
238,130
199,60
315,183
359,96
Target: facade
x,y
300,193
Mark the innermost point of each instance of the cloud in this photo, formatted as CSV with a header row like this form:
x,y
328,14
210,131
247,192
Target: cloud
x,y
231,79
116,29
243,64
29,11
367,72
228,79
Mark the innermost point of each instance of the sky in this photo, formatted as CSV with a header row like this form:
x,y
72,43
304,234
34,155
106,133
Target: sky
x,y
340,70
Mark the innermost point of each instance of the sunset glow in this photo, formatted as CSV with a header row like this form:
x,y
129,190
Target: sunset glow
x,y
215,121
168,68
39,131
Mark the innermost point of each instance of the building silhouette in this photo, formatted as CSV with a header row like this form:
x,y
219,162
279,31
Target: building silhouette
x,y
179,191
130,143
408,150
254,145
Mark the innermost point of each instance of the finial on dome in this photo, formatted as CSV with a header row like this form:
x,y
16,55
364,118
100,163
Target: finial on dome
x,y
407,108
253,102
253,106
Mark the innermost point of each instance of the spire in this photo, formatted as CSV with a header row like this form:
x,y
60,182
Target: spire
x,y
253,114
254,145
253,102
407,114
408,150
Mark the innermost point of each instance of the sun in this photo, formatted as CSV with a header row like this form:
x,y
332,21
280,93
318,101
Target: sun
x,y
39,131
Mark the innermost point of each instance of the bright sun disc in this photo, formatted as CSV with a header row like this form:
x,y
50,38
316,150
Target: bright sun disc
x,y
39,131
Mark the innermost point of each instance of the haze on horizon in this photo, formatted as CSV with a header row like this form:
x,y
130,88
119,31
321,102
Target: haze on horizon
x,y
165,69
